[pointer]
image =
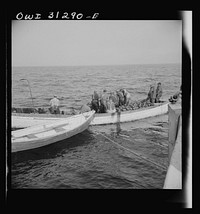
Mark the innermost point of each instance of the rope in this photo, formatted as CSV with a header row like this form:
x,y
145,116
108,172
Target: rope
x,y
138,155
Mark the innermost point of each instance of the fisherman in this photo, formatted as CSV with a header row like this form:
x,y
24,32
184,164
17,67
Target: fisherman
x,y
110,106
152,94
121,97
103,101
54,105
95,104
127,96
158,92
113,96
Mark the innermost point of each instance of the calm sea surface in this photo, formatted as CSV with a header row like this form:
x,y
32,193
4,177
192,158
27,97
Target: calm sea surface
x,y
93,158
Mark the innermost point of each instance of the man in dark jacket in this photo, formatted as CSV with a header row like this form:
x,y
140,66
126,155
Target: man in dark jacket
x,y
95,101
152,94
158,92
121,97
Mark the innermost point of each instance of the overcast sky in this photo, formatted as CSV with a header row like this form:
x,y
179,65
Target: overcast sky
x,y
68,43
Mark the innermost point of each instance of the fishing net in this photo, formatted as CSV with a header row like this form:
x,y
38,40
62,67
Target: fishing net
x,y
133,105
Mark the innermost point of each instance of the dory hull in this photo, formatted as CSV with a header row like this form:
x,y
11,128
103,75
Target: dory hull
x,y
57,131
27,120
129,116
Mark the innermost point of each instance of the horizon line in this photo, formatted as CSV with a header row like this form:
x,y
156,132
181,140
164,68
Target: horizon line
x,y
97,64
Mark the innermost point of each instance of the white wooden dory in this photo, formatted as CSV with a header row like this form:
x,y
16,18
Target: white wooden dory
x,y
22,120
41,135
128,116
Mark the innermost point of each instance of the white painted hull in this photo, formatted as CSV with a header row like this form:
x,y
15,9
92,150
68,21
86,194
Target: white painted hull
x,y
129,116
41,135
31,120
27,120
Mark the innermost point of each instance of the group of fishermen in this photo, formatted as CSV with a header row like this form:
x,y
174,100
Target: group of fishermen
x,y
154,95
110,102
106,102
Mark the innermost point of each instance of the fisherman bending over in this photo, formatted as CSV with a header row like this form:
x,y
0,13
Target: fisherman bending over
x,y
127,96
54,103
120,97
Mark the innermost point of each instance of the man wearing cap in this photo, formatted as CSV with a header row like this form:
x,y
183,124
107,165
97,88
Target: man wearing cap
x,y
54,103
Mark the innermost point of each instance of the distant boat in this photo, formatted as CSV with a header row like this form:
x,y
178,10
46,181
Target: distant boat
x,y
23,120
41,135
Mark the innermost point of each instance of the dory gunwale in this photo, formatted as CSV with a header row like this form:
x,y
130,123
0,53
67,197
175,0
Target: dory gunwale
x,y
26,139
103,118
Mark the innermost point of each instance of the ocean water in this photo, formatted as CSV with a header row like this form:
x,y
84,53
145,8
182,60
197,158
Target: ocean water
x,y
100,157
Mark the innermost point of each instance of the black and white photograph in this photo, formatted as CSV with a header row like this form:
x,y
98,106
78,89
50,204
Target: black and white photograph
x,y
96,104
